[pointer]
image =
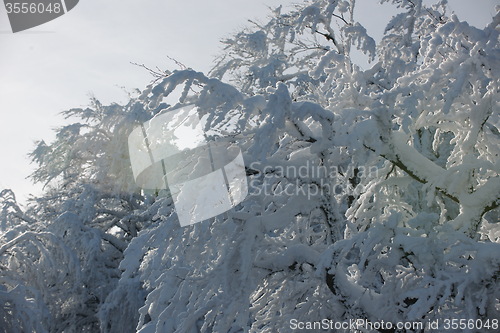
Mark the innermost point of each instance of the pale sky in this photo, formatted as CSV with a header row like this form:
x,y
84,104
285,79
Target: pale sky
x,y
58,65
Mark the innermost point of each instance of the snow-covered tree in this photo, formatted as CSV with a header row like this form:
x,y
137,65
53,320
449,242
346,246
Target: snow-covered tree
x,y
373,194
